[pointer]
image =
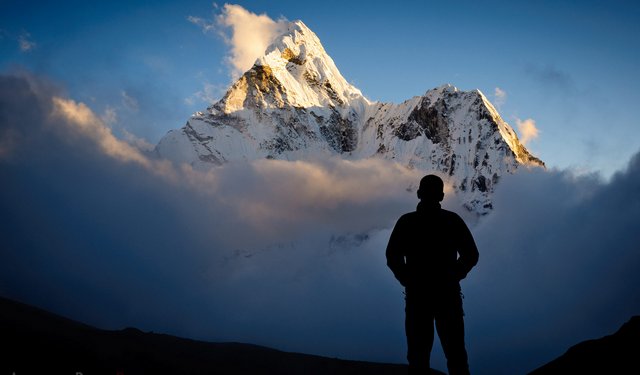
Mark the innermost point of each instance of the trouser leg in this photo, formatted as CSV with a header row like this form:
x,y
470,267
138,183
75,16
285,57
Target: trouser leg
x,y
419,330
450,326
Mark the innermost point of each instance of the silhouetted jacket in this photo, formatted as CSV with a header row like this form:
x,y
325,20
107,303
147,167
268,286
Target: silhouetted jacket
x,y
424,247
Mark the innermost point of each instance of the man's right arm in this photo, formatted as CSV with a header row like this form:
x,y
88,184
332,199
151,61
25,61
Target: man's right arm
x,y
466,249
395,253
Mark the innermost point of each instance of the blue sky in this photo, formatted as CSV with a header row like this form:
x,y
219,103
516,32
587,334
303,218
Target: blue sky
x,y
570,66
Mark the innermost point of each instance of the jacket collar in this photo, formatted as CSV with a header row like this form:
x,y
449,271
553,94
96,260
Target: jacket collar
x,y
425,206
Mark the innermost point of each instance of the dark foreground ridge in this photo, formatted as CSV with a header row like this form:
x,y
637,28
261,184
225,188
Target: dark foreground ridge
x,y
614,354
40,342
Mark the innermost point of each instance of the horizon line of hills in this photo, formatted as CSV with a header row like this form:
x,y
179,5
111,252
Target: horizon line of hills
x,y
44,342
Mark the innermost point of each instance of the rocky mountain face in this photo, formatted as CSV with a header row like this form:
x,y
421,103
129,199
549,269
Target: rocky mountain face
x,y
294,104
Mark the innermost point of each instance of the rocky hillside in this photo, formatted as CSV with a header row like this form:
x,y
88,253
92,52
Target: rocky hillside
x,y
39,342
614,354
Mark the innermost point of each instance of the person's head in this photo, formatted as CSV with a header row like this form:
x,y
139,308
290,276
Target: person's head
x,y
431,189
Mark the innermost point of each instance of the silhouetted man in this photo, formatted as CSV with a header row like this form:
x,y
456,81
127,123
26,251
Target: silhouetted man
x,y
429,252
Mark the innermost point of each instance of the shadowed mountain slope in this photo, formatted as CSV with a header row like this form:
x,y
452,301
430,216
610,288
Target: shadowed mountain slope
x,y
45,343
614,354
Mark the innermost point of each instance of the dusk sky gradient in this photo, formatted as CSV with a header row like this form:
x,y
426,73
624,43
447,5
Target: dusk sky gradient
x,y
290,254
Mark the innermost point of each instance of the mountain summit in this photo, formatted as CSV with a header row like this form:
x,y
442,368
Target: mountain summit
x,y
295,71
294,104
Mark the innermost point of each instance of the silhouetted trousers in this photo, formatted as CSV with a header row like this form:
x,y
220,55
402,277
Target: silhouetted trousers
x,y
422,309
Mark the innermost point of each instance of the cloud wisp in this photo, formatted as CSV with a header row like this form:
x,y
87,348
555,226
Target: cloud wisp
x,y
129,101
26,43
291,254
500,97
527,129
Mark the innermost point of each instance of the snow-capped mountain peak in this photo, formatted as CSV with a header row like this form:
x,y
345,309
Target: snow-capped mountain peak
x,y
294,104
295,71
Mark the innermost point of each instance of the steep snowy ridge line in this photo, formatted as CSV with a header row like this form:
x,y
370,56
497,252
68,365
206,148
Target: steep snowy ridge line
x,y
294,104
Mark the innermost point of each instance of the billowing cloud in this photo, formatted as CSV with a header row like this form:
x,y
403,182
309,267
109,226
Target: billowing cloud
x,y
267,195
66,120
238,244
558,266
251,34
290,254
83,121
527,129
347,196
248,34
